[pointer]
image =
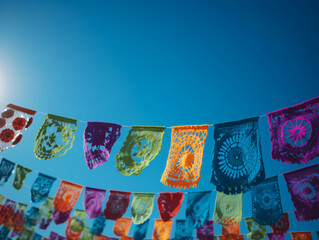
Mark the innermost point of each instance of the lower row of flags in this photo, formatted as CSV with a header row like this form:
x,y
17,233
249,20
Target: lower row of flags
x,y
21,224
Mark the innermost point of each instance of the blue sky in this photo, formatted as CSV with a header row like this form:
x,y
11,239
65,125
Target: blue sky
x,y
162,63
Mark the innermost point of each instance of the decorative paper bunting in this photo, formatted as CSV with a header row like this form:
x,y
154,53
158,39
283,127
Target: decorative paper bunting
x,y
55,137
122,226
162,229
4,232
281,226
41,188
6,168
18,218
266,202
86,235
46,211
197,210
228,208
66,196
7,211
26,234
36,236
20,175
231,232
98,225
60,217
1,198
185,156
169,204
117,204
13,121
142,207
141,146
75,225
294,132
256,231
98,142
301,235
140,230
206,232
182,231
55,236
304,191
237,163
32,217
92,201
272,236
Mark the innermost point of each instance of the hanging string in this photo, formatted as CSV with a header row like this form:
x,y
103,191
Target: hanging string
x,y
124,126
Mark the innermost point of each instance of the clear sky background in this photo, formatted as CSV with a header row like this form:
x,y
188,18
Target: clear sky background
x,y
162,63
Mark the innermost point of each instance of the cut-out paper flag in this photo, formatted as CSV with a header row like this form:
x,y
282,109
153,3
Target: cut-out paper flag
x,y
142,207
55,137
185,156
141,146
169,204
237,162
117,204
66,196
13,121
295,132
98,140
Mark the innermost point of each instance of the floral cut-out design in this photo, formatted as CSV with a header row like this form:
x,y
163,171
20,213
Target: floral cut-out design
x,y
228,208
237,161
13,121
32,217
92,201
256,231
231,232
182,231
197,210
98,225
303,186
301,235
281,226
20,175
60,217
27,234
162,229
7,211
142,207
272,236
98,142
86,235
117,204
295,132
141,146
18,218
206,232
266,202
75,225
122,226
169,204
185,156
140,230
41,188
6,168
46,211
66,196
55,137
